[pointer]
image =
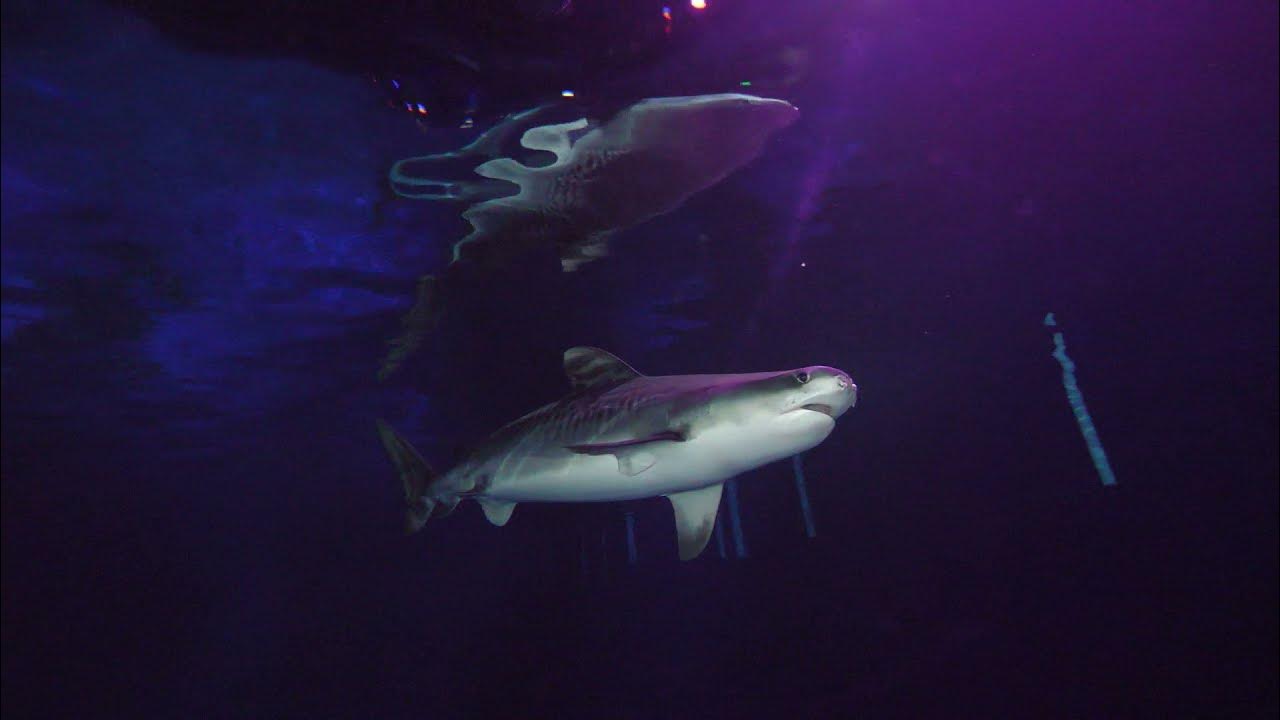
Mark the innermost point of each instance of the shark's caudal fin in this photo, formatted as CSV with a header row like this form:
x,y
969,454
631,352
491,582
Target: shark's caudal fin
x,y
422,318
421,492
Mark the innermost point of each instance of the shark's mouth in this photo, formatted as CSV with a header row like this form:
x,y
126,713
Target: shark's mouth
x,y
820,407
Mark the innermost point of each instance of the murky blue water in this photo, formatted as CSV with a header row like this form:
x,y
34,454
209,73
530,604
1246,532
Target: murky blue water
x,y
203,263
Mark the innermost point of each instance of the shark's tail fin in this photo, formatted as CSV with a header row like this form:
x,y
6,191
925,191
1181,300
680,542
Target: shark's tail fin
x,y
422,493
422,319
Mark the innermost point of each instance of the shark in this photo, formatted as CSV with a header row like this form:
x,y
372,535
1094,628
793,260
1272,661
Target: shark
x,y
581,182
619,435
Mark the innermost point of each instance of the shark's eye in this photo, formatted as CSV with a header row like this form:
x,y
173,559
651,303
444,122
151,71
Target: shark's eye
x,y
801,376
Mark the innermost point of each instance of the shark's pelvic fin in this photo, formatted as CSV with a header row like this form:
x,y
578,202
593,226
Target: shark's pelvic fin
x,y
498,511
695,518
591,368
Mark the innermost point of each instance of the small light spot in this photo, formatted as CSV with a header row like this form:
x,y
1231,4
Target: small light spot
x,y
395,84
698,4
745,83
804,264
566,93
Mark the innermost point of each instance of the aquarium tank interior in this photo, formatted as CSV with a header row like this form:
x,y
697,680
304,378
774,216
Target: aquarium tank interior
x,y
640,359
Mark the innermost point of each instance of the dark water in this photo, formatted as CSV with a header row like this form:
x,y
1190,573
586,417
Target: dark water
x,y
201,266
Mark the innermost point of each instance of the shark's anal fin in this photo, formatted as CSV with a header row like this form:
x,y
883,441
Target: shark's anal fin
x,y
695,518
591,368
498,511
634,456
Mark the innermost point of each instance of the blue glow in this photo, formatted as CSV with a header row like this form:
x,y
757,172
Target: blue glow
x,y
15,315
1075,398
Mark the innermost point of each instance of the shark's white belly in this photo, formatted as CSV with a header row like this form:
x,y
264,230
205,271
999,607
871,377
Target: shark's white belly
x,y
714,456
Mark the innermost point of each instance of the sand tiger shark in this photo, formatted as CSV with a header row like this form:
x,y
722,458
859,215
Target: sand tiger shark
x,y
620,435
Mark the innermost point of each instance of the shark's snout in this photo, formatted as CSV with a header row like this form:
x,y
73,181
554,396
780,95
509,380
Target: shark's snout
x,y
826,390
845,383
842,393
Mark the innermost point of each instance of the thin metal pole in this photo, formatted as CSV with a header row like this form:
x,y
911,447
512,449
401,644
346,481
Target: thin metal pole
x,y
1075,399
720,535
739,542
797,464
631,538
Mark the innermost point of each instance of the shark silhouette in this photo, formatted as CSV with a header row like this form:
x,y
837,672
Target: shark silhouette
x,y
620,435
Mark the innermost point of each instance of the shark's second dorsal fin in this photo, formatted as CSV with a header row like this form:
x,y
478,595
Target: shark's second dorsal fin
x,y
591,368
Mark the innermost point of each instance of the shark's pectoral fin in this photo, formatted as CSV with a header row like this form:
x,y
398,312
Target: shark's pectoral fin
x,y
695,518
634,462
498,511
634,456
632,459
553,138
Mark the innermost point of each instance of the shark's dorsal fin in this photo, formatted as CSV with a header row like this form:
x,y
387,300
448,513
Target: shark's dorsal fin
x,y
591,368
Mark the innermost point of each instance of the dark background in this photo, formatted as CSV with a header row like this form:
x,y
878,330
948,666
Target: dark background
x,y
201,265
